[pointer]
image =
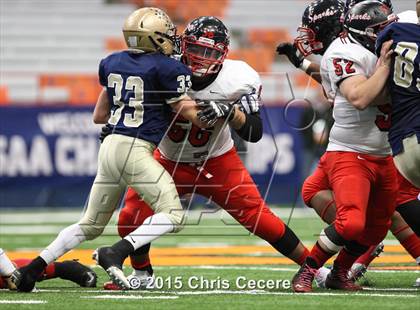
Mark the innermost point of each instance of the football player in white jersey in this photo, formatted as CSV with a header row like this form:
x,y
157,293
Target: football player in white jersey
x,y
205,161
316,190
357,158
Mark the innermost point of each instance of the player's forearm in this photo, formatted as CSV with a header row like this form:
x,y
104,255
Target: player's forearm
x,y
363,94
102,109
313,70
238,120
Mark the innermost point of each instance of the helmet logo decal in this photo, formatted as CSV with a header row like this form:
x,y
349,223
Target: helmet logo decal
x,y
365,16
327,13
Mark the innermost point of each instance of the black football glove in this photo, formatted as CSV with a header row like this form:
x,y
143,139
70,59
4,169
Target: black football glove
x,y
106,131
211,111
290,50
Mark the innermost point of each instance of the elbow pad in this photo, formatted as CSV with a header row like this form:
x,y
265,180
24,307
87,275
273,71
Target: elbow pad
x,y
252,130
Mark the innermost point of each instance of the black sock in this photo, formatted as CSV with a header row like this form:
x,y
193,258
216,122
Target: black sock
x,y
287,243
123,247
37,266
311,262
147,268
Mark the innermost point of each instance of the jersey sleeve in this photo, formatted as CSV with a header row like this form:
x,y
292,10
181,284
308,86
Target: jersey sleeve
x,y
102,74
175,80
383,36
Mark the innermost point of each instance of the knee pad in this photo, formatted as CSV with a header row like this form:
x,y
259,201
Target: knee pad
x,y
308,191
352,230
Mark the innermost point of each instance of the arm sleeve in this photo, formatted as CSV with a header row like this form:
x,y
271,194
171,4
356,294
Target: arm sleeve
x,y
102,74
252,130
175,80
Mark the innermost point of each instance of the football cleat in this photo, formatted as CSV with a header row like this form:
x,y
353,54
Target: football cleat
x,y
359,268
24,279
139,280
356,272
338,279
302,281
112,262
76,272
321,276
417,283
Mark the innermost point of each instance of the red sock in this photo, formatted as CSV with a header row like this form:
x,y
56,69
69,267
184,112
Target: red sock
x,y
319,255
138,263
412,245
49,271
366,258
345,259
302,258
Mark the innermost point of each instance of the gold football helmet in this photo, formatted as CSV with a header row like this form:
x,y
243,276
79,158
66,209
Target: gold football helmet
x,y
150,30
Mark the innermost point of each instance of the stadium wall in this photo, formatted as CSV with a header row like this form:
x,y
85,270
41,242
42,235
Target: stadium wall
x,y
48,156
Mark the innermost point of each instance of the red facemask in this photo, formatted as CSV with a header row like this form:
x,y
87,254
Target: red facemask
x,y
306,43
202,56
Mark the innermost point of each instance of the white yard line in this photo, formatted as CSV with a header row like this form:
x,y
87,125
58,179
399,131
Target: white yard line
x,y
23,301
128,297
167,294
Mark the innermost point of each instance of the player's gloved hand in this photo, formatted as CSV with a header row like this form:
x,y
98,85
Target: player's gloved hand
x,y
106,131
290,50
211,111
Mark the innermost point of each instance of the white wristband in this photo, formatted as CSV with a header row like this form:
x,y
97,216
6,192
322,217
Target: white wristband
x,y
305,65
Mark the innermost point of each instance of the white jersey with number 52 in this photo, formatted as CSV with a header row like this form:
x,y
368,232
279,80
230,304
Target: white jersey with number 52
x,y
188,143
353,130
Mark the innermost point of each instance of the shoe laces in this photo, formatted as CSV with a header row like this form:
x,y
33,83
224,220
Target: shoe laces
x,y
307,275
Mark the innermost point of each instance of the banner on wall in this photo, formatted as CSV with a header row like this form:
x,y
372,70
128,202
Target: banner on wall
x,y
48,156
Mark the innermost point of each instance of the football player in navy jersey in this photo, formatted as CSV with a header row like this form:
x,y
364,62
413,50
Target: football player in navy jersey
x,y
404,88
205,162
141,86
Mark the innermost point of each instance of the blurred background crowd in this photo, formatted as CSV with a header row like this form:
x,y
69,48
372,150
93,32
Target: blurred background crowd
x,y
49,56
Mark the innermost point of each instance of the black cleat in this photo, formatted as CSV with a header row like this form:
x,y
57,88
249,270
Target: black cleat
x,y
74,271
24,278
112,262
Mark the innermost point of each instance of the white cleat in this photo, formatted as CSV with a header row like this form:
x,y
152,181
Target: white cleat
x,y
357,271
417,283
118,278
321,276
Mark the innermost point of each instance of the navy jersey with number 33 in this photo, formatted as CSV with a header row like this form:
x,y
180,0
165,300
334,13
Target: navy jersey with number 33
x,y
404,81
140,88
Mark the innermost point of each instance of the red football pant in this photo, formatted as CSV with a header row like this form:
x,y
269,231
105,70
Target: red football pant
x,y
225,181
48,273
364,190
